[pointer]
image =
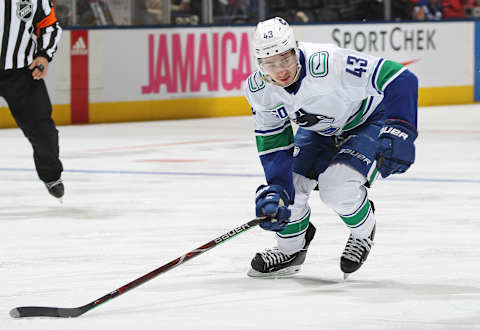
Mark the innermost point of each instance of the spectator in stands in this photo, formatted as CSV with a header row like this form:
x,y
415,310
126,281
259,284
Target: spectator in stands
x,y
155,9
402,10
242,11
472,8
63,11
141,15
93,12
430,10
181,5
453,9
368,10
182,11
301,16
326,14
187,11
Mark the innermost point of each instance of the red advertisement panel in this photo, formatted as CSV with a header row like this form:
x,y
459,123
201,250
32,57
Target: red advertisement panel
x,y
79,76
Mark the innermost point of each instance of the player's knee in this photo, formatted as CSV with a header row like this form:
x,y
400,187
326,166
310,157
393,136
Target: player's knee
x,y
303,187
341,188
298,211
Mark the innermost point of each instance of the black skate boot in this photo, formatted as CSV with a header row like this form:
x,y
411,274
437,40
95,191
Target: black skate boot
x,y
356,253
273,263
56,188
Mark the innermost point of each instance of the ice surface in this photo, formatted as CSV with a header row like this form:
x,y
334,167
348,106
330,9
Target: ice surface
x,y
139,195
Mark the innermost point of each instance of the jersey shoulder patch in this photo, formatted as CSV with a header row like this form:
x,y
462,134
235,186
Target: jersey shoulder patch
x,y
255,82
318,64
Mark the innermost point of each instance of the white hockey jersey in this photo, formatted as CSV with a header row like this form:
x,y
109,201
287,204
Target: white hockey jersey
x,y
338,89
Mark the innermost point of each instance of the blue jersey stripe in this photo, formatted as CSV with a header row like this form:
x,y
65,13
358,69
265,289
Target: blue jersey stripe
x,y
374,77
287,123
369,104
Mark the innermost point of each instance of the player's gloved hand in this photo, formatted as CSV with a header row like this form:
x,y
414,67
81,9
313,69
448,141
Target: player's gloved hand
x,y
396,151
273,201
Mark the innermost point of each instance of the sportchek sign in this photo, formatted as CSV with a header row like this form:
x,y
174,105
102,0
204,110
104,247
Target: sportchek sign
x,y
430,50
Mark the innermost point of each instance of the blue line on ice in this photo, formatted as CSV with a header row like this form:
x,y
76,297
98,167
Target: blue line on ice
x,y
475,181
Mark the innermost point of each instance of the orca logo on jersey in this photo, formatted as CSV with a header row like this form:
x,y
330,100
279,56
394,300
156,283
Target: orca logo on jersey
x,y
25,10
305,119
329,131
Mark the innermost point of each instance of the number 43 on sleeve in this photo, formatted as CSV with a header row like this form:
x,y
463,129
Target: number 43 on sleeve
x,y
356,66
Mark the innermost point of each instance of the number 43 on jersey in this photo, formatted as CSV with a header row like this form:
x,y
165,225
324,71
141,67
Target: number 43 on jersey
x,y
356,66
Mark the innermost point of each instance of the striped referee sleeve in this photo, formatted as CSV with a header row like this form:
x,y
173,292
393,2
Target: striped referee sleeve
x,y
47,30
28,28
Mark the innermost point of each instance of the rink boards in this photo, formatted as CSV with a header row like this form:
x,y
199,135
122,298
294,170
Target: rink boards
x,y
137,74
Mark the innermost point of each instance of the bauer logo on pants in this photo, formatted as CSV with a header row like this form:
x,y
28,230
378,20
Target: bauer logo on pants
x,y
356,154
25,10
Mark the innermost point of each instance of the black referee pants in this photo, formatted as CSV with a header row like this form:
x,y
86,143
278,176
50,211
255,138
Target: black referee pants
x,y
30,106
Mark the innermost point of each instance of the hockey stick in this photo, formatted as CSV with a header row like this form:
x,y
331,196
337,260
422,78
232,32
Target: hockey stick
x,y
32,311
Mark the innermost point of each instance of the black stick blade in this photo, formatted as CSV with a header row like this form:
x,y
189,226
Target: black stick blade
x,y
33,311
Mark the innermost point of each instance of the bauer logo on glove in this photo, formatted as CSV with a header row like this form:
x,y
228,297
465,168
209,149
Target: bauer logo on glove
x,y
394,131
396,151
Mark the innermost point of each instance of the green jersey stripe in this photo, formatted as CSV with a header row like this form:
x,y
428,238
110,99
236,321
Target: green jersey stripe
x,y
357,217
387,71
290,146
385,85
373,175
269,142
297,227
354,122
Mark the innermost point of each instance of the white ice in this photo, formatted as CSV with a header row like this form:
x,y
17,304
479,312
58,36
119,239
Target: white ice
x,y
139,195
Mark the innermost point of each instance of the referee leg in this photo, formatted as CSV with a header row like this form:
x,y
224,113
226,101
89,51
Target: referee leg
x,y
30,106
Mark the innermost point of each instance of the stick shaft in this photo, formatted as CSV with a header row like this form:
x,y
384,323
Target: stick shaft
x,y
176,262
31,311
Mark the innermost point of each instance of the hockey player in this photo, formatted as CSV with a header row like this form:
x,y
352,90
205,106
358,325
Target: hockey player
x,y
356,117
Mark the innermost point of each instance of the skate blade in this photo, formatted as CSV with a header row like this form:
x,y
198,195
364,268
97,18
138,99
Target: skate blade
x,y
345,276
285,272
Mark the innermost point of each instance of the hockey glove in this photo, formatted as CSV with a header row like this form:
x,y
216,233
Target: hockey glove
x,y
396,151
273,201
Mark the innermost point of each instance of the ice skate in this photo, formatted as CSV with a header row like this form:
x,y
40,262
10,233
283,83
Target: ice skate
x,y
273,263
356,253
56,189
